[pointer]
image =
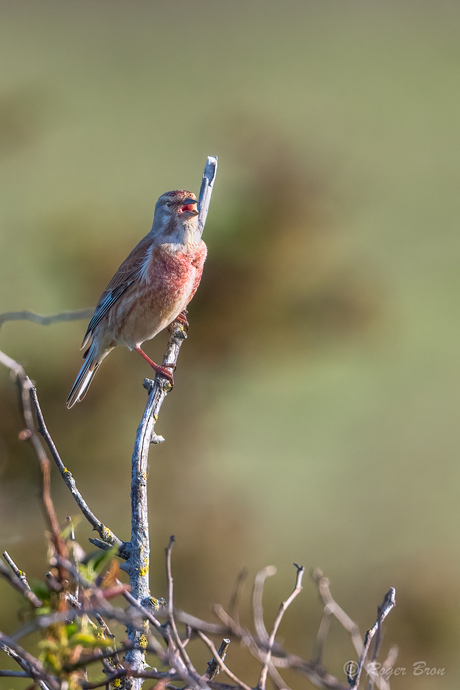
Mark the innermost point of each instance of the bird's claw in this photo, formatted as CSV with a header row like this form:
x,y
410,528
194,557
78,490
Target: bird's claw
x,y
182,319
165,371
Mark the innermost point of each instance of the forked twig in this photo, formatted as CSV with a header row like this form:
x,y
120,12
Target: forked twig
x,y
332,608
282,610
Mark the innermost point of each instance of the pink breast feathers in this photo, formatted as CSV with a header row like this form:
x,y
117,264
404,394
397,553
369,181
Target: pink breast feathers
x,y
175,275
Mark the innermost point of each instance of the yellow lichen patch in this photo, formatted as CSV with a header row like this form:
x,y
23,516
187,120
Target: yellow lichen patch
x,y
154,603
143,642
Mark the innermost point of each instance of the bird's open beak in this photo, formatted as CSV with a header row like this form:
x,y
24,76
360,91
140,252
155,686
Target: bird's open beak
x,y
189,207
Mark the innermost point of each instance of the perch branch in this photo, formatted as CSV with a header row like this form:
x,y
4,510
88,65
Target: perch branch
x,y
139,546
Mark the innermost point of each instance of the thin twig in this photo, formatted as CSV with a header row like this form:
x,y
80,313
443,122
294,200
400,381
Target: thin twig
x,y
24,385
389,602
204,199
170,580
19,573
257,606
18,580
221,663
25,315
198,624
281,612
33,665
106,535
126,673
316,674
14,674
331,606
234,599
213,665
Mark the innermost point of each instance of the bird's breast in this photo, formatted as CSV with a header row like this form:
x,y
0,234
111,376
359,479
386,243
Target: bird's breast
x,y
175,273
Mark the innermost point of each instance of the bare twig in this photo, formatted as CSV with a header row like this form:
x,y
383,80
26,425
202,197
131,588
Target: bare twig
x,y
204,199
332,608
281,612
105,534
127,673
15,674
25,315
234,599
389,602
28,396
30,433
18,584
28,662
221,663
213,665
19,573
197,624
171,620
257,606
319,676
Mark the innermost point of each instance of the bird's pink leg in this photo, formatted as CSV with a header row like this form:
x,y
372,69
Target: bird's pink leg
x,y
157,367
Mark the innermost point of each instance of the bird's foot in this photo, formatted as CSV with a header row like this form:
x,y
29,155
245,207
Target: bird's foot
x,y
158,368
182,319
165,371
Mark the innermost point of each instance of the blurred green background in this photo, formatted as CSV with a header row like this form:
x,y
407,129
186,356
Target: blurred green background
x,y
315,413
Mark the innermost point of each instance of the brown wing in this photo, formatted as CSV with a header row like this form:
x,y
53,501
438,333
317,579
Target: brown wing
x,y
128,272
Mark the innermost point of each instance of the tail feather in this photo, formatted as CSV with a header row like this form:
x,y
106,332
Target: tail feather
x,y
91,364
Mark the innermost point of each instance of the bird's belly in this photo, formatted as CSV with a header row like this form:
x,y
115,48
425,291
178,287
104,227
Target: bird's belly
x,y
148,309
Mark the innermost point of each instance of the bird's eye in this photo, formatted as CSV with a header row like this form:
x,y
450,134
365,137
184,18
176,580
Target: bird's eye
x,y
168,204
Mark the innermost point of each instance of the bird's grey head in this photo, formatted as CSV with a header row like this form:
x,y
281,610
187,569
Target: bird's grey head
x,y
176,216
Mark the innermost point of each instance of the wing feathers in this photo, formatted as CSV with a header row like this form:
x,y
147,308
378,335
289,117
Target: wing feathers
x,y
129,271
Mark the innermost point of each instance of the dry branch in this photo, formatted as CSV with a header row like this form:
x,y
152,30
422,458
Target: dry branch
x,y
25,315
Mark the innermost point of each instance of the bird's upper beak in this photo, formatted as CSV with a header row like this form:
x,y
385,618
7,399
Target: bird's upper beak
x,y
189,206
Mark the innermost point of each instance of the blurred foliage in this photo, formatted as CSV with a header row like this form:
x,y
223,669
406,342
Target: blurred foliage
x,y
315,415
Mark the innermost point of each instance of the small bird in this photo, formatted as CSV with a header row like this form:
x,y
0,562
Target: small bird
x,y
149,291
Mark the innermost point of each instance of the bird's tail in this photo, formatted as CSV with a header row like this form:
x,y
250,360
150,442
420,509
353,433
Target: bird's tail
x,y
91,364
